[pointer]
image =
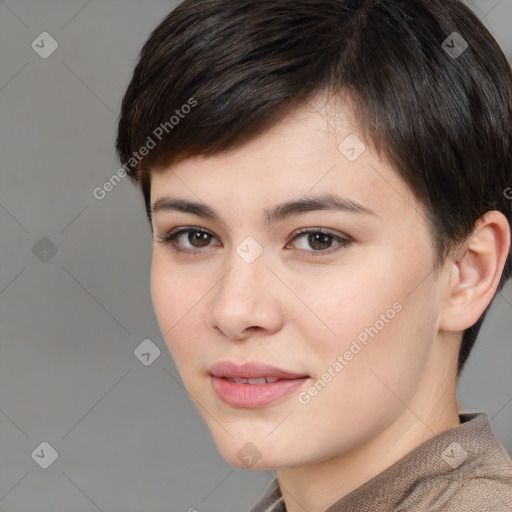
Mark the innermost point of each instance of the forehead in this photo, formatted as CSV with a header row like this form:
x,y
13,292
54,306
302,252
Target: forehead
x,y
316,149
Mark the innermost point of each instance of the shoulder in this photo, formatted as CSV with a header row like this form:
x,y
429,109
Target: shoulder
x,y
468,494
479,478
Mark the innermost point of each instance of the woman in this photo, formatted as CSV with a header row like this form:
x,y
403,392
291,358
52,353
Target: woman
x,y
326,184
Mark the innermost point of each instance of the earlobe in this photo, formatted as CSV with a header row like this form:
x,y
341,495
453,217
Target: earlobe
x,y
476,272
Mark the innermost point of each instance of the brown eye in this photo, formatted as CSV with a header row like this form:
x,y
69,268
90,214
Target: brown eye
x,y
200,238
320,241
192,240
187,240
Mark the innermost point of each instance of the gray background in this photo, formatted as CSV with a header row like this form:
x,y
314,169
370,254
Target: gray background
x,y
128,437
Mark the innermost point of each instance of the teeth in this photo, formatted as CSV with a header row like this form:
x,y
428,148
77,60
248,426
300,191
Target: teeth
x,y
260,380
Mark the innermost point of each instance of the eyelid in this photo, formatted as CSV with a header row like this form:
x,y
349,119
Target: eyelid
x,y
318,229
341,239
170,237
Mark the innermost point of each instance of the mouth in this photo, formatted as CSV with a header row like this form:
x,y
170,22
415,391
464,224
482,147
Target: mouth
x,y
259,380
253,385
252,371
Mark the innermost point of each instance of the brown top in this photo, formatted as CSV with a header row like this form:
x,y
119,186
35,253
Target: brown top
x,y
463,469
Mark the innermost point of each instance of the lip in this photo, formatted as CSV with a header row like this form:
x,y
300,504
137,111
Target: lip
x,y
252,370
248,396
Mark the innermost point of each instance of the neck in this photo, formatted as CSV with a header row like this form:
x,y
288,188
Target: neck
x,y
315,487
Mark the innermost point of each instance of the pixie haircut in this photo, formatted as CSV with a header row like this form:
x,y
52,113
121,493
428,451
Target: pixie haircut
x,y
215,74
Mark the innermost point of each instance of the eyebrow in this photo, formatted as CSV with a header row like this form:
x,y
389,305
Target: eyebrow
x,y
272,215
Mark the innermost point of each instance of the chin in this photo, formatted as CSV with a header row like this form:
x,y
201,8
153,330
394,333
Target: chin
x,y
260,456
242,453
256,462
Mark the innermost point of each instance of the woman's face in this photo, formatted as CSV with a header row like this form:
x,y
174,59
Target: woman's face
x,y
345,318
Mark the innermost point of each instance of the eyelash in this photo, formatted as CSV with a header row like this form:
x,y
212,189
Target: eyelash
x,y
170,239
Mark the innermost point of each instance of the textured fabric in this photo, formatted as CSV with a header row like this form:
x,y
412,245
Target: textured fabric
x,y
464,469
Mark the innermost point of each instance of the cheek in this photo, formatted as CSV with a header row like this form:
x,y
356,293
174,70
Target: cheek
x,y
371,317
384,350
177,303
174,290
163,294
347,307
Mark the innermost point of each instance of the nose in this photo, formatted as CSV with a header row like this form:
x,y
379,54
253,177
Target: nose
x,y
246,300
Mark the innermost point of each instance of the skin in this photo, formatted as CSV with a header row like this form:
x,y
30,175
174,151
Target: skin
x,y
301,313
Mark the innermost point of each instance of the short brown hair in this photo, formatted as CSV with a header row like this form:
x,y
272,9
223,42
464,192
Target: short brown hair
x,y
439,112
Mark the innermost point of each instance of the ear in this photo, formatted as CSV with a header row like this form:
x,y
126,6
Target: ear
x,y
475,272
